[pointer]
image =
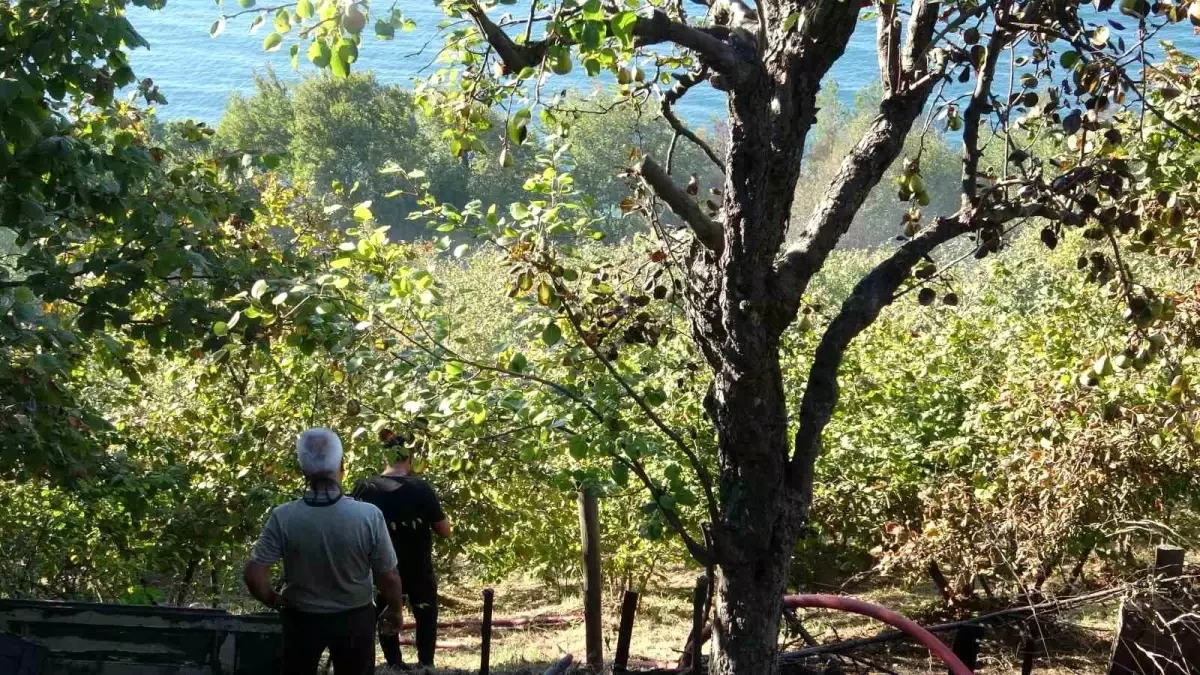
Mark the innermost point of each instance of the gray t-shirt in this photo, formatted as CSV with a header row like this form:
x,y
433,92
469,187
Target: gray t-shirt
x,y
329,552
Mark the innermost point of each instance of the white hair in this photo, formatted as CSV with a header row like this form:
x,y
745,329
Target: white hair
x,y
319,451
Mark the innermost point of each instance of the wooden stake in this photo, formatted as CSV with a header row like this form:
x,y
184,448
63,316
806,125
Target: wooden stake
x,y
625,633
485,649
1168,562
966,645
589,531
699,597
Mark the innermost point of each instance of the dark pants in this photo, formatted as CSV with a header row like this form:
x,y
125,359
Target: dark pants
x,y
421,593
349,635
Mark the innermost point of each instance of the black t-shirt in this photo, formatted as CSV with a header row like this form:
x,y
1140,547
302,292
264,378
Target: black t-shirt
x,y
410,508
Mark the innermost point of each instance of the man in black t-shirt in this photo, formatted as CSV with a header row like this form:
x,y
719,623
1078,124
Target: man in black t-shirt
x,y
413,513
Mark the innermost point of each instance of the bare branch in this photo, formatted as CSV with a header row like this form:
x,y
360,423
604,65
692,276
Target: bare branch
x,y
981,100
684,83
918,35
875,291
860,172
707,230
870,296
887,45
516,57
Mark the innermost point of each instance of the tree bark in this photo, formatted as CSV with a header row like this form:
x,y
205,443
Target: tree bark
x,y
760,519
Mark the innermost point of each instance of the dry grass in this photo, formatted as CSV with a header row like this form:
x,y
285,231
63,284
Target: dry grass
x,y
1077,644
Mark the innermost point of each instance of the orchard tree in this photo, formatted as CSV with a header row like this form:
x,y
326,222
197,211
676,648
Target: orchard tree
x,y
1033,84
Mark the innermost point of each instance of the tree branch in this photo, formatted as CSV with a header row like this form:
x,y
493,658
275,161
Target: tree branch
x,y
870,296
701,471
919,34
698,551
887,45
874,292
515,57
684,83
717,54
981,100
861,171
707,230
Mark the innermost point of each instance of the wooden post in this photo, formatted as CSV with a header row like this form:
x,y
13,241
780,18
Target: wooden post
x,y
625,633
1153,636
589,530
699,598
966,645
1168,562
485,649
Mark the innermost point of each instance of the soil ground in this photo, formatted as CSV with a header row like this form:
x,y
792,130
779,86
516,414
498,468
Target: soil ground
x,y
1078,642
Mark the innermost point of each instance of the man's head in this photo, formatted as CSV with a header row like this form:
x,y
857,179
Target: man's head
x,y
320,454
401,447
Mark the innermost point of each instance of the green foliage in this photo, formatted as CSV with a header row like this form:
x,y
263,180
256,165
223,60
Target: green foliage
x,y
335,134
175,312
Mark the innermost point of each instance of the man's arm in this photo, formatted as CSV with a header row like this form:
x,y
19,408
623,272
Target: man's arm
x,y
441,524
393,594
267,550
442,528
387,579
258,579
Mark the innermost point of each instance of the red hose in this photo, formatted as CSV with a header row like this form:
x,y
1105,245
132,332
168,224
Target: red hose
x,y
855,606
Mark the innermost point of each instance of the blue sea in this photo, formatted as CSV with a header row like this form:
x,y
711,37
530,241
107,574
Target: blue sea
x,y
197,72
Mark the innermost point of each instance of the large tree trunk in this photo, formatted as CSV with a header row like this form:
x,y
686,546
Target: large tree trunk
x,y
747,611
754,542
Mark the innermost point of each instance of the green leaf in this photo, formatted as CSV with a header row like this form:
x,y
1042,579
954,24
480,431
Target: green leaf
x,y
257,290
272,42
362,212
790,22
283,21
1070,60
518,211
220,328
319,54
279,299
305,9
545,294
218,27
551,334
593,10
578,447
655,397
620,473
517,126
518,363
343,56
384,30
246,3
622,25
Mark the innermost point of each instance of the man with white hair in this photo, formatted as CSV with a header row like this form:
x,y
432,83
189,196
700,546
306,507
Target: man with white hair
x,y
331,547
